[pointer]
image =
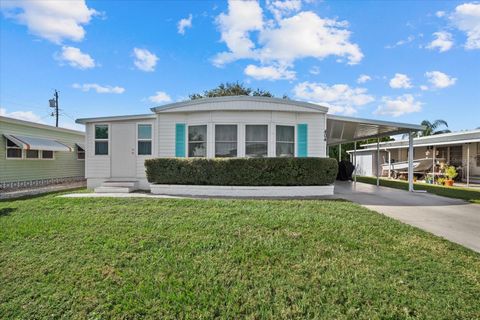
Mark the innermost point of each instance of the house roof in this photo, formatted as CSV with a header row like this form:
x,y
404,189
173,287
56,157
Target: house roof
x,y
240,103
39,125
460,137
116,118
342,129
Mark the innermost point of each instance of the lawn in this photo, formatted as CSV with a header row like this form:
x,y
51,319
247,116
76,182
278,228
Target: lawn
x,y
468,194
202,259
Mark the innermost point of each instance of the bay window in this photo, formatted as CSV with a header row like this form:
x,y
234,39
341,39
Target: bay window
x,y
197,141
256,140
225,140
285,141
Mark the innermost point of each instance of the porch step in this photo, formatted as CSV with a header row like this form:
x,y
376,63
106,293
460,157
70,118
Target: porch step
x,y
117,186
114,189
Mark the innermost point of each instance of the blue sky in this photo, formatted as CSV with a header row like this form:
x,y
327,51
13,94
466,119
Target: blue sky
x,y
402,61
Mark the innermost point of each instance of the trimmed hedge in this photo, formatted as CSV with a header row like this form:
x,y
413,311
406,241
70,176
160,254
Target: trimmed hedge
x,y
243,171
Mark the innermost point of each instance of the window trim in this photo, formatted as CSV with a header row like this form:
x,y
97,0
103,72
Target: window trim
x,y
294,125
138,140
102,140
48,159
188,125
268,125
77,151
7,147
215,138
39,154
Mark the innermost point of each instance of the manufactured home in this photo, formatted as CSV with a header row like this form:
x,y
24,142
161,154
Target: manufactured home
x,y
458,149
33,154
236,126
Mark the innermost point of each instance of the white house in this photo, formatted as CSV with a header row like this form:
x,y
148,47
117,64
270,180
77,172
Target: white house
x,y
238,126
459,149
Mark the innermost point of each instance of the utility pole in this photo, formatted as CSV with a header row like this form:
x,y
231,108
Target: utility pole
x,y
54,104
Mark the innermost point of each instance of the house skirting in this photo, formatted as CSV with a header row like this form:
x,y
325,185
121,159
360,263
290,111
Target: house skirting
x,y
13,185
242,191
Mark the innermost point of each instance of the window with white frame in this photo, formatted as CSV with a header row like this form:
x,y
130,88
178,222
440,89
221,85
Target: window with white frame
x,y
285,141
256,140
47,154
225,140
80,153
32,154
101,139
197,141
144,139
13,150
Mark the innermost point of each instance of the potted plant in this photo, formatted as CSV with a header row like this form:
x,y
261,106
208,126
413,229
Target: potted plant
x,y
450,174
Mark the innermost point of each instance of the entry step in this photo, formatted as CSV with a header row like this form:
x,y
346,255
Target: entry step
x,y
117,186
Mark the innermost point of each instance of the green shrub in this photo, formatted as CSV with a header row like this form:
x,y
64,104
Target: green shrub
x,y
243,171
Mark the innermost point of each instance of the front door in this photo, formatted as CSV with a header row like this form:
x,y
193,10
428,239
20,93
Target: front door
x,y
123,150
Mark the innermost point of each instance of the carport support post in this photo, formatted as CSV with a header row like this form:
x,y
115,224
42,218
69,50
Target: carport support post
x,y
410,161
355,161
433,165
378,161
468,165
339,152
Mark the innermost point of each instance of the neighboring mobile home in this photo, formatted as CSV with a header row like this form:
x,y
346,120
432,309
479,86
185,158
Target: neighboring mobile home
x,y
458,149
237,126
33,154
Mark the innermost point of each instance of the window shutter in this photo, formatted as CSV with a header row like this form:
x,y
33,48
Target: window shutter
x,y
180,140
302,140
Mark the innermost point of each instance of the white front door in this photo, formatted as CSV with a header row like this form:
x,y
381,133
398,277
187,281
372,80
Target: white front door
x,y
123,150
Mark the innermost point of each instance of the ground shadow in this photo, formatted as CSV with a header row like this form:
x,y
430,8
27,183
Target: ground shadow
x,y
6,211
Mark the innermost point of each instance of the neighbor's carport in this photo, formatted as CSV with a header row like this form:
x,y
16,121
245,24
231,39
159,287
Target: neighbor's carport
x,y
342,129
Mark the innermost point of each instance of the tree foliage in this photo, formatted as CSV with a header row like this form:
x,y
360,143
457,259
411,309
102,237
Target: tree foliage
x,y
431,127
231,89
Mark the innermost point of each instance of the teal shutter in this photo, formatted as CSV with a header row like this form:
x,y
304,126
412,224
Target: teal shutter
x,y
180,140
302,140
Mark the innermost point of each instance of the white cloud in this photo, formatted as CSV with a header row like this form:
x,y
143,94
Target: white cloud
x,y
440,80
52,20
402,42
443,41
281,8
440,14
75,58
399,106
98,88
184,24
160,97
21,115
281,42
315,70
340,98
363,78
144,60
269,73
400,81
467,19
423,87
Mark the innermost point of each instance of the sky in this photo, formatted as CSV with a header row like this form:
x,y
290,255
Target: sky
x,y
402,61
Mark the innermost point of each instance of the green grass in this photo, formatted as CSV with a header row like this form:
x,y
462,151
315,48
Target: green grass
x,y
202,259
468,194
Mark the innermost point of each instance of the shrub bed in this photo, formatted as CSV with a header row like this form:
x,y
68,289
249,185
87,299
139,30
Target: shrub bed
x,y
243,171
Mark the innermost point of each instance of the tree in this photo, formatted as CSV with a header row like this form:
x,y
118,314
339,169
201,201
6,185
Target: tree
x,y
431,127
231,89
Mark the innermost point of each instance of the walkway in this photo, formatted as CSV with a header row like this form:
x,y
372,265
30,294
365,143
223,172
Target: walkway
x,y
452,219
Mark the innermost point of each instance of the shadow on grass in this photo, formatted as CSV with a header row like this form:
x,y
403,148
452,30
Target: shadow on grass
x,y
43,194
4,212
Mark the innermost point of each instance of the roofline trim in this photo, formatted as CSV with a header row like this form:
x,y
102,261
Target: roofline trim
x,y
116,118
40,125
187,103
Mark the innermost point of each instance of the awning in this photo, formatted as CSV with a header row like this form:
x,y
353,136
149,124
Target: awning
x,y
81,145
346,129
35,143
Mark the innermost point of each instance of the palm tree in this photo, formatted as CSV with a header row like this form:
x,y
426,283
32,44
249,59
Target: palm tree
x,y
431,127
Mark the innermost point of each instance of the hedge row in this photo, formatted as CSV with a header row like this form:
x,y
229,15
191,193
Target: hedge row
x,y
243,171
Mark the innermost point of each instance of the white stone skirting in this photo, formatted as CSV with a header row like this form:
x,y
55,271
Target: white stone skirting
x,y
242,191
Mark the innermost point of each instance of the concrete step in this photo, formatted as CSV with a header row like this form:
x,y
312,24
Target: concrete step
x,y
123,184
114,189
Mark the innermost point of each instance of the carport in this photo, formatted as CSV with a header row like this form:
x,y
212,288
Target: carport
x,y
342,130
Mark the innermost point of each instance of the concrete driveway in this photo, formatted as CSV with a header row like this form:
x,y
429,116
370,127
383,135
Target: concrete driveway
x,y
452,219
